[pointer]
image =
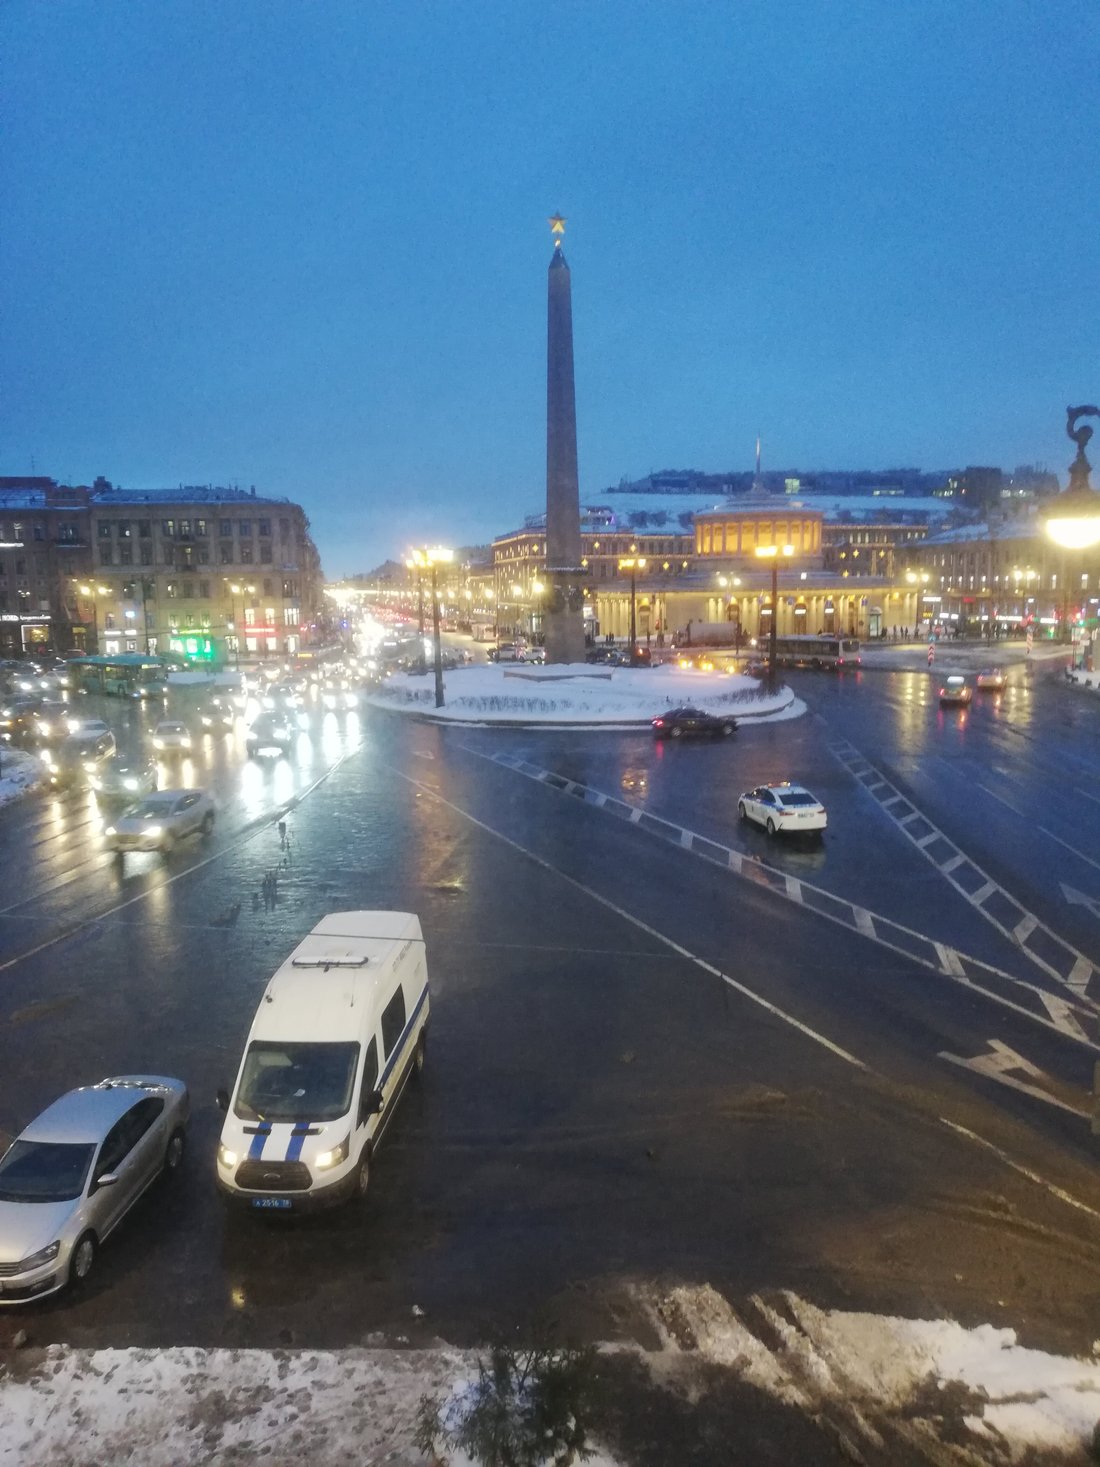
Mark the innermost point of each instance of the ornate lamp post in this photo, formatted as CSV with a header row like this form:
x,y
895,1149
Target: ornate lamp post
x,y
1073,518
633,563
432,558
236,590
94,593
772,553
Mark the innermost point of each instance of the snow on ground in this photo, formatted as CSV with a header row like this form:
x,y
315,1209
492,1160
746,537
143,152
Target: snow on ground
x,y
886,1375
961,1395
87,1408
610,696
19,772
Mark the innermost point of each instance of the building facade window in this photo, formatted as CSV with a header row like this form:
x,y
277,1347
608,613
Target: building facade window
x,y
168,529
146,554
226,554
106,554
246,554
265,527
265,554
225,529
104,529
145,529
245,528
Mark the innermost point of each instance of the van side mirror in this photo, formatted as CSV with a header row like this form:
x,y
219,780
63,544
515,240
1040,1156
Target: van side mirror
x,y
371,1104
108,1179
222,1098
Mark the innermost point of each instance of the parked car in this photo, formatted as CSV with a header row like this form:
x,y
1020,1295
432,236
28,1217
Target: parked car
x,y
511,652
782,807
171,736
160,820
272,734
73,1174
955,691
77,757
991,680
678,722
122,777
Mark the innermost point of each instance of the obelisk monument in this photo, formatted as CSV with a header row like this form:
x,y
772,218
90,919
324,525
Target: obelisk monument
x,y
563,617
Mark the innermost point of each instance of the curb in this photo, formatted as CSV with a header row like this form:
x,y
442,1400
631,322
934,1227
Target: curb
x,y
621,725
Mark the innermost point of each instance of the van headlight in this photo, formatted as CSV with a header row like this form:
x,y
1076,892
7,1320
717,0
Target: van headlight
x,y
325,1160
226,1157
36,1260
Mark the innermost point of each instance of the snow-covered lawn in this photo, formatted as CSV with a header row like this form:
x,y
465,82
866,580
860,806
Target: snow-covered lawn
x,y
610,696
19,772
962,1395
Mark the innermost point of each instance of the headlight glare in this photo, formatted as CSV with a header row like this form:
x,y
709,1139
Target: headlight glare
x,y
328,1159
227,1157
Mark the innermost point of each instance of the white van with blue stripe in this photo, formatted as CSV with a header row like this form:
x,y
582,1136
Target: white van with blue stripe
x,y
340,1029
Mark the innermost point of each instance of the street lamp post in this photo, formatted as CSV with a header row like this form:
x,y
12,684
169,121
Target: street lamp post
x,y
413,564
633,563
1073,519
94,593
772,553
432,558
236,590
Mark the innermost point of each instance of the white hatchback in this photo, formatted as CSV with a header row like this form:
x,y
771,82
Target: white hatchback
x,y
782,807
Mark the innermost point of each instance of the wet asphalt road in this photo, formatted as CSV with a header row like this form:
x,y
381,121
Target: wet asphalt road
x,y
650,1062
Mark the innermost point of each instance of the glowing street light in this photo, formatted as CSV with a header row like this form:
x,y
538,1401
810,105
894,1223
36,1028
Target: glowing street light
x,y
1073,519
633,563
772,553
430,559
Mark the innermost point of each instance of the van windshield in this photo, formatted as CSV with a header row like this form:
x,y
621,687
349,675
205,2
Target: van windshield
x,y
296,1082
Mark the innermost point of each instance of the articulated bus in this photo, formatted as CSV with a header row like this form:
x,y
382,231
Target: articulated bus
x,y
832,652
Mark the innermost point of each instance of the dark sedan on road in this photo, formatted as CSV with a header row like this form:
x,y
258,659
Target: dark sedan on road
x,y
273,735
69,1179
683,722
124,777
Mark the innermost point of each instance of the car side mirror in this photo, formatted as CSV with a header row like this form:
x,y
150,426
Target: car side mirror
x,y
108,1179
371,1103
221,1099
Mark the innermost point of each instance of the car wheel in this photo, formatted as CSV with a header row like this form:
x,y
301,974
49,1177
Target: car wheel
x,y
727,729
207,822
83,1259
420,1054
742,813
173,1153
771,826
362,1176
675,732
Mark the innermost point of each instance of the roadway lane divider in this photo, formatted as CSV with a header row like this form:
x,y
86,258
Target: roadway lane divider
x,y
1056,957
1074,1017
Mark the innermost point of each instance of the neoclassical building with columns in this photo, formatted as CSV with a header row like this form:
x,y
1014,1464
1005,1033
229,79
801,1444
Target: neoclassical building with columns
x,y
729,579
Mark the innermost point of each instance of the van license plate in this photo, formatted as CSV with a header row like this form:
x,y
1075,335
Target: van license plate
x,y
283,1203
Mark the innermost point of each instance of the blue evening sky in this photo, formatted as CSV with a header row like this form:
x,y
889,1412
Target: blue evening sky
x,y
304,245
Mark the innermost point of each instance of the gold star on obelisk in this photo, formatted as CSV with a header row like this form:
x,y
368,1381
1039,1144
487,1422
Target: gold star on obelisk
x,y
557,229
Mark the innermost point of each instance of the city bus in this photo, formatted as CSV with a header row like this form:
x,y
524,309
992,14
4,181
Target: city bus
x,y
802,651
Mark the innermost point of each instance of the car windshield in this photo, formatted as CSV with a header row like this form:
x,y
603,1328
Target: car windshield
x,y
797,797
149,810
296,1082
40,1171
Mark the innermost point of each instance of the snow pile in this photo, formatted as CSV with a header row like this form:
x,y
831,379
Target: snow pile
x,y
519,693
19,772
166,1408
887,1379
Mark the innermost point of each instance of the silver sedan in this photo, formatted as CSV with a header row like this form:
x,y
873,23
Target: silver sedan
x,y
69,1179
159,821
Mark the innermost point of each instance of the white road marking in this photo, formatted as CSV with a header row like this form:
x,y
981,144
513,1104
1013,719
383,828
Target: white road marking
x,y
1079,899
1025,1171
959,967
742,989
1002,801
1079,854
264,824
998,1064
1082,969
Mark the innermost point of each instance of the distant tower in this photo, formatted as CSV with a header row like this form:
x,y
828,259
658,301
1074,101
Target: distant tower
x,y
563,617
756,476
